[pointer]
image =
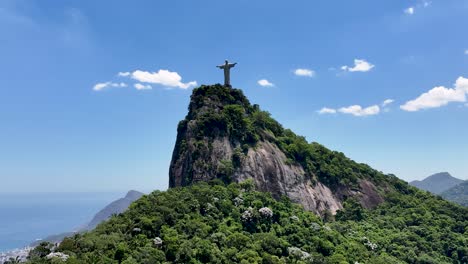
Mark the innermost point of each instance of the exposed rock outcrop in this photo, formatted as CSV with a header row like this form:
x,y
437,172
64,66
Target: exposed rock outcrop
x,y
212,142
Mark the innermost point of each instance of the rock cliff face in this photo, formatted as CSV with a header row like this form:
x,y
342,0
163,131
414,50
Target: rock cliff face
x,y
225,137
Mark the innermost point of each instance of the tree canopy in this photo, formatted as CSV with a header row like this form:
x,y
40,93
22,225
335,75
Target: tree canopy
x,y
217,223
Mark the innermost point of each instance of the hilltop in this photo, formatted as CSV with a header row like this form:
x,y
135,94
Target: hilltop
x,y
224,136
437,183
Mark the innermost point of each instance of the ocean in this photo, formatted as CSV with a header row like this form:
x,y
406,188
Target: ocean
x,y
25,218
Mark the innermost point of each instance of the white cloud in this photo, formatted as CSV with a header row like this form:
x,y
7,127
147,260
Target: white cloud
x,y
327,110
359,66
105,85
412,9
265,83
387,102
123,74
409,10
140,86
357,110
163,77
439,96
304,72
426,3
466,52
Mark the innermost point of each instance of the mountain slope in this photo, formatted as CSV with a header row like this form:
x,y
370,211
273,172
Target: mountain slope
x,y
116,207
226,151
457,194
437,183
214,223
224,136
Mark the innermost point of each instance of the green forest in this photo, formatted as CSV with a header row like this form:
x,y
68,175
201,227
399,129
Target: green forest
x,y
217,223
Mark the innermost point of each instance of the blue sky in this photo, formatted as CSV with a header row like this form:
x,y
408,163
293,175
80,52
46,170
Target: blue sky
x,y
69,122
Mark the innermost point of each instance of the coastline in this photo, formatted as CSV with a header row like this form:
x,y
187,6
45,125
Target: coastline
x,y
21,253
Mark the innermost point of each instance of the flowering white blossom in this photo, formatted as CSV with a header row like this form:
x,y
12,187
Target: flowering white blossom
x,y
238,200
58,255
369,244
247,215
298,253
294,218
157,241
265,212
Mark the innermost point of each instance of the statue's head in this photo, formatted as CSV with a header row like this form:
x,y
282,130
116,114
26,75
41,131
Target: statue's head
x,y
226,61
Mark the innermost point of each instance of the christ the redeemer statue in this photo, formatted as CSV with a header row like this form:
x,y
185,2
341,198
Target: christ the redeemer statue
x,y
227,69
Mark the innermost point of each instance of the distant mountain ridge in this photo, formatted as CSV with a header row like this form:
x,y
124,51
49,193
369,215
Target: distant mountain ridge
x,y
116,207
437,183
457,194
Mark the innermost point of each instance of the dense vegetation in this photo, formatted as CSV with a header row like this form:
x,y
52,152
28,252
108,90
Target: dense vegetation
x,y
457,194
214,223
223,222
221,111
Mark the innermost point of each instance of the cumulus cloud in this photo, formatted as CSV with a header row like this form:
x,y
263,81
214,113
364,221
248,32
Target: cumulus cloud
x,y
357,110
327,110
304,72
265,83
360,65
439,96
409,10
105,85
140,86
466,52
387,102
123,74
163,77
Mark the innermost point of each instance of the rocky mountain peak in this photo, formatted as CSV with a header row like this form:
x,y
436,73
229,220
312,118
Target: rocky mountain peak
x,y
225,137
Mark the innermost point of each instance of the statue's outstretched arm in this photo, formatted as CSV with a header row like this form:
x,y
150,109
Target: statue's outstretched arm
x,y
220,66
